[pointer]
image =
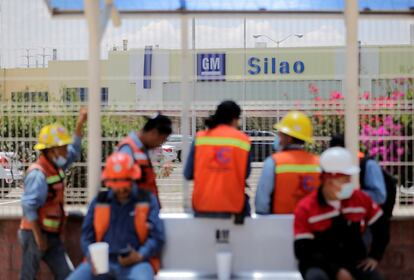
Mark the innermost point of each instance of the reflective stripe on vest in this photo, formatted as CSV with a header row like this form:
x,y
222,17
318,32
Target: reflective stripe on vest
x,y
220,167
101,223
51,223
51,214
222,141
297,168
55,178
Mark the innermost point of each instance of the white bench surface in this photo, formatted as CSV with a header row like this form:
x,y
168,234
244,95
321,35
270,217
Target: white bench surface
x,y
262,248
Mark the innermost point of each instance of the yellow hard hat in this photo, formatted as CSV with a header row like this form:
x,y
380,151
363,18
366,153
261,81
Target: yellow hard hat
x,y
296,124
53,135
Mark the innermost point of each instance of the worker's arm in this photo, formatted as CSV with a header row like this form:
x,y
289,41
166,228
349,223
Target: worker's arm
x,y
265,188
156,237
83,117
306,251
74,149
88,232
374,184
34,196
189,165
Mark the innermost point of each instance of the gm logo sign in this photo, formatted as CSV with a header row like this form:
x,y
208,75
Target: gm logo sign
x,y
211,66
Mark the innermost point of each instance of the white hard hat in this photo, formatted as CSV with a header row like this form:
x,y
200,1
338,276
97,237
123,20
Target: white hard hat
x,y
338,160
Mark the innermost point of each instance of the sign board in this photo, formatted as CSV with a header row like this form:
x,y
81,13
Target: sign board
x,y
211,66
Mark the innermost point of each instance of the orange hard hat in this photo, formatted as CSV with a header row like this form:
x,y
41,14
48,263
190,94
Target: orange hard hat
x,y
120,171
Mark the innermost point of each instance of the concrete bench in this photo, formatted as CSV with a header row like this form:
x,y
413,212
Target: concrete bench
x,y
262,248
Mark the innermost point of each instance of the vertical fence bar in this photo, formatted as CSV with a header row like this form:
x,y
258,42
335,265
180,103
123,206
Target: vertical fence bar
x,y
92,11
185,99
244,76
351,79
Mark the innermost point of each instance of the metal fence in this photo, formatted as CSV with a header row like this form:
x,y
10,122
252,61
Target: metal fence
x,y
386,134
272,64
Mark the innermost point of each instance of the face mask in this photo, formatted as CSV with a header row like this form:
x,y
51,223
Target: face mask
x,y
346,191
60,161
276,143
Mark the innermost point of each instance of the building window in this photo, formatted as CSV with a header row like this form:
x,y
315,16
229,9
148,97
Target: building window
x,y
81,95
104,96
17,96
33,96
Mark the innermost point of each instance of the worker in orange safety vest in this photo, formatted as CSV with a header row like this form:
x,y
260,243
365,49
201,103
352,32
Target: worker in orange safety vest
x,y
43,200
290,173
138,145
126,218
219,163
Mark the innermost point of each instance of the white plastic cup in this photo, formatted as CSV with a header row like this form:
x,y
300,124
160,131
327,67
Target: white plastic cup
x,y
99,256
224,265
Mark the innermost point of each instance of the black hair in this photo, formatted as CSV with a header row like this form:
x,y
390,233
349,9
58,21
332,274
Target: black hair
x,y
226,112
161,123
337,141
297,141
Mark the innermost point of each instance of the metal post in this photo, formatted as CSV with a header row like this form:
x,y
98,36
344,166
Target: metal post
x,y
244,76
185,99
351,79
193,95
92,11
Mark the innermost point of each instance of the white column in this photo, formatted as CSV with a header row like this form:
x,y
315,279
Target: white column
x,y
92,11
185,99
351,79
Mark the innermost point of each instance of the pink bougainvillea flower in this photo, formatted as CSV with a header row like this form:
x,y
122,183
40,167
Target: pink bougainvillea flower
x,y
335,95
400,151
317,98
382,131
373,151
366,130
397,95
366,95
388,121
313,88
396,128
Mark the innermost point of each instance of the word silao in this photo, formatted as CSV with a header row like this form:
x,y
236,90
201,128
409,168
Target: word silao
x,y
271,66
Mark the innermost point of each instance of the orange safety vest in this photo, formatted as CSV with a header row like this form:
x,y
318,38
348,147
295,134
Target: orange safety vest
x,y
220,167
102,218
51,214
148,178
297,173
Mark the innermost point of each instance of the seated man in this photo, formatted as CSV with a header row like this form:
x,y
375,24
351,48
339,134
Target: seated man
x,y
330,223
372,181
131,227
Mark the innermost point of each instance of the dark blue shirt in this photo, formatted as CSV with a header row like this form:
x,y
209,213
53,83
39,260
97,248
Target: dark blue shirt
x,y
121,232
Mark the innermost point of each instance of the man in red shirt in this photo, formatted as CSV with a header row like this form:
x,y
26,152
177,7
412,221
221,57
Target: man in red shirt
x,y
330,222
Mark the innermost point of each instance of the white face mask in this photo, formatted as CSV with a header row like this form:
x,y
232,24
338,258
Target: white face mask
x,y
60,161
276,144
346,191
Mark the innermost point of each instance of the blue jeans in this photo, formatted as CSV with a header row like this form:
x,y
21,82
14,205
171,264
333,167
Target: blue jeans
x,y
55,256
139,271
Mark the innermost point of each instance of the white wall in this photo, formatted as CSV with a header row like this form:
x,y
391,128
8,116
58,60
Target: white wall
x,y
159,74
